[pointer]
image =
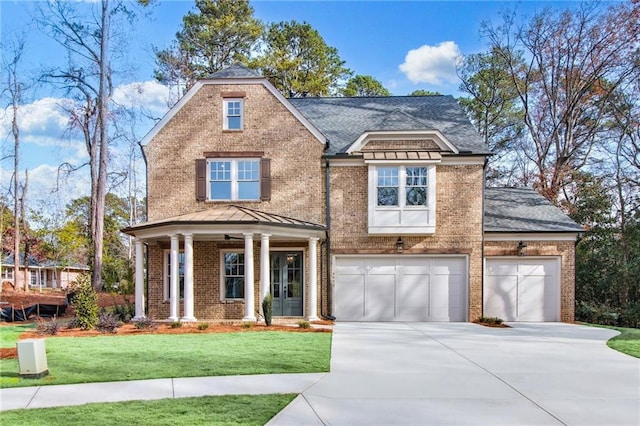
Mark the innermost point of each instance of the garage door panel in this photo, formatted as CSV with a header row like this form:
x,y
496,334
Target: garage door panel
x,y
380,297
413,297
533,290
349,296
447,298
502,299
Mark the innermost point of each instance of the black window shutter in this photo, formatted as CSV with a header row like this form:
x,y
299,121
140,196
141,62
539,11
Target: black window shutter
x,y
265,179
201,179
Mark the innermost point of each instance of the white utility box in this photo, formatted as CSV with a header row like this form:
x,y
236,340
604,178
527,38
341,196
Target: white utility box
x,y
32,358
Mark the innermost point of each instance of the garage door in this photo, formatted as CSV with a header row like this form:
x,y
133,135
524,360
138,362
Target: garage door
x,y
522,289
392,288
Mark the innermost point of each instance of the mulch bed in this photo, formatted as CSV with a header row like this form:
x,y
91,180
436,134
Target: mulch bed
x,y
491,324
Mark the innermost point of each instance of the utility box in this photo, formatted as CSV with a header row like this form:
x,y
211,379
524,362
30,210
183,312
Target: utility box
x,y
32,358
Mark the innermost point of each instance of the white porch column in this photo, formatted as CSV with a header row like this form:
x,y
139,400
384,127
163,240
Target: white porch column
x,y
188,279
264,268
248,279
312,309
174,291
139,295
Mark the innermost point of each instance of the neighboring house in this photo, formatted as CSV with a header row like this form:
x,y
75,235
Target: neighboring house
x,y
40,274
366,209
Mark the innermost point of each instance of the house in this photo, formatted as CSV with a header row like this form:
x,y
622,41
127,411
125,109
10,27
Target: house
x,y
40,273
366,209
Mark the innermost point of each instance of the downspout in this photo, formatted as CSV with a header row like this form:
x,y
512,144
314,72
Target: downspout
x,y
327,209
484,189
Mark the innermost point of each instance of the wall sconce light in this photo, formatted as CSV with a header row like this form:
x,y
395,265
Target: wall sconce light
x,y
521,246
400,245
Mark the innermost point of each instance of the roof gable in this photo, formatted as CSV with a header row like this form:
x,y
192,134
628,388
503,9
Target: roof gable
x,y
235,75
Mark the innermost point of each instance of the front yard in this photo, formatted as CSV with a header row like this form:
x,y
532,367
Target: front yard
x,y
149,356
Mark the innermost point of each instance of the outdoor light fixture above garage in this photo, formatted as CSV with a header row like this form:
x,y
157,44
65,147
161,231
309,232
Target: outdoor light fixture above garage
x,y
521,246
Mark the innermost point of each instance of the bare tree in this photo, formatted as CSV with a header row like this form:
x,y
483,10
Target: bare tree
x,y
14,88
89,41
574,61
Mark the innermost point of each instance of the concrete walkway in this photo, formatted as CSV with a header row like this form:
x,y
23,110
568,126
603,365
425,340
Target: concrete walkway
x,y
466,374
60,395
420,373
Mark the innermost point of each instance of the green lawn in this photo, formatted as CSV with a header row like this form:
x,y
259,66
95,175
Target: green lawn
x,y
627,342
209,410
9,334
150,356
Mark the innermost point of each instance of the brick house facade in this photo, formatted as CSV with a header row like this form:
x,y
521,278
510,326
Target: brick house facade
x,y
362,209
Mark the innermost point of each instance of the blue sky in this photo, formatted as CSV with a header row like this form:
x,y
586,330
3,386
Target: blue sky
x,y
405,45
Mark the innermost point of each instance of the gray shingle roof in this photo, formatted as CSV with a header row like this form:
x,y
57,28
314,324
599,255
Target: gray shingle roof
x,y
235,71
343,120
523,210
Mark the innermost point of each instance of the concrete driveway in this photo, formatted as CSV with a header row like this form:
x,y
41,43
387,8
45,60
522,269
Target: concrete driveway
x,y
466,374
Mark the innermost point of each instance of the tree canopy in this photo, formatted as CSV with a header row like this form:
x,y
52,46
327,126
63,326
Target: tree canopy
x,y
364,85
297,61
218,34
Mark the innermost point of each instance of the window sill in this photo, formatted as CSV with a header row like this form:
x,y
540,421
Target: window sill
x,y
232,130
402,230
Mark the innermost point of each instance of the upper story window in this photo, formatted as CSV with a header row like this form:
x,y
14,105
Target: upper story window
x,y
401,199
233,114
233,176
234,179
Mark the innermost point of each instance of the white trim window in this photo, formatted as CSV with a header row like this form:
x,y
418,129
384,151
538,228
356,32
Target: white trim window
x,y
7,273
233,114
402,199
167,274
232,275
234,179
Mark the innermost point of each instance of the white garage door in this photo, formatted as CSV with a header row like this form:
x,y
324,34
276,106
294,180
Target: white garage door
x,y
522,289
392,288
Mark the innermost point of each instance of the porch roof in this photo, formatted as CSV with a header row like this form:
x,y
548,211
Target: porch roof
x,y
226,219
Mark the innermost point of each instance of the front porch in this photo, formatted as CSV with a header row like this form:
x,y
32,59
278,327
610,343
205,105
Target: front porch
x,y
219,264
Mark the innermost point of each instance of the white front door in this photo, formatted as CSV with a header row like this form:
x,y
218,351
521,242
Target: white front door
x,y
522,289
400,288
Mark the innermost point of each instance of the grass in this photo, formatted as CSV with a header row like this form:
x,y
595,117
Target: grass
x,y
9,334
628,342
150,356
228,410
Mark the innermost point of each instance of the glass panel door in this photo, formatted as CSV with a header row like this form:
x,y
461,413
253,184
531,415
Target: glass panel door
x,y
287,283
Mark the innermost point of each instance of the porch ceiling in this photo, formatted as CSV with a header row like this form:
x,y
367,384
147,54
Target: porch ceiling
x,y
224,220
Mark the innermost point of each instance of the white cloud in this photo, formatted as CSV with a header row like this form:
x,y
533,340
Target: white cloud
x,y
44,116
432,64
150,95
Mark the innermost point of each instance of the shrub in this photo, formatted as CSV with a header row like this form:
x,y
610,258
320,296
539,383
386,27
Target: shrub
x,y
203,326
124,312
491,320
176,324
49,328
73,323
108,323
267,309
85,303
145,323
304,324
247,325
